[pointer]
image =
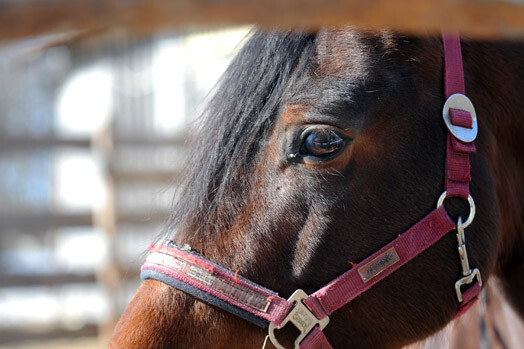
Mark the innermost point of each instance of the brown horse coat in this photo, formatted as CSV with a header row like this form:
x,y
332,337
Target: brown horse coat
x,y
257,202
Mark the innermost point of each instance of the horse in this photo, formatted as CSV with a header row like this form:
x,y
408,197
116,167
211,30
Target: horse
x,y
318,149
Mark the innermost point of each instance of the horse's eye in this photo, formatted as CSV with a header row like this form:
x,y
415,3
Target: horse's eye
x,y
321,143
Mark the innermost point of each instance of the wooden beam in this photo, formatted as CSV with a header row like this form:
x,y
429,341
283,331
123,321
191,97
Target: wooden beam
x,y
488,18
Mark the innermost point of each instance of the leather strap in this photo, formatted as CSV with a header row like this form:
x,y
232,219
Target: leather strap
x,y
453,70
316,339
457,152
380,264
470,297
211,282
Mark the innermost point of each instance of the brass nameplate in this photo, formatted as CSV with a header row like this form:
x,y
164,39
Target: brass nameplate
x,y
378,264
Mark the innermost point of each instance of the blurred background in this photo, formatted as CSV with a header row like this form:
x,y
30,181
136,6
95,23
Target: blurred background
x,y
92,134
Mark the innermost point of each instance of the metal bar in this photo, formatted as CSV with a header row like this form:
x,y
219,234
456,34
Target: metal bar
x,y
43,221
156,217
150,142
16,335
9,144
59,279
145,177
9,280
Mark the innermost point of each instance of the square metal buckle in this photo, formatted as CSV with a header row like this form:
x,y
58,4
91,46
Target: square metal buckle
x,y
466,280
301,317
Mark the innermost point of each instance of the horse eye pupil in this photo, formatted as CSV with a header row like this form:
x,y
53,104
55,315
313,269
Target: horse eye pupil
x,y
321,143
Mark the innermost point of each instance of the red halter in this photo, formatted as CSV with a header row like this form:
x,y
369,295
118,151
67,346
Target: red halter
x,y
189,272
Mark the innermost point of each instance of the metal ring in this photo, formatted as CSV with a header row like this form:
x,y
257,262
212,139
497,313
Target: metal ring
x,y
471,207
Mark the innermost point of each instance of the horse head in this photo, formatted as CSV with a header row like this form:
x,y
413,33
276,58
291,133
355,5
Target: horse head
x,y
316,151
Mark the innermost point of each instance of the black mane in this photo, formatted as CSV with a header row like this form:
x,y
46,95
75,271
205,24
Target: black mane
x,y
234,126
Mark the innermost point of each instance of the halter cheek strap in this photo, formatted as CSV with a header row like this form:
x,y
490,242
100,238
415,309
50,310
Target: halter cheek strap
x,y
195,275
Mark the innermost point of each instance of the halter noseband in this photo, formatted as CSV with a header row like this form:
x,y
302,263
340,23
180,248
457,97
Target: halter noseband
x,y
187,271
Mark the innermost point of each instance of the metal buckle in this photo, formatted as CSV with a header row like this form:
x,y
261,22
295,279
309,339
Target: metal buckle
x,y
466,280
472,209
461,102
469,275
301,317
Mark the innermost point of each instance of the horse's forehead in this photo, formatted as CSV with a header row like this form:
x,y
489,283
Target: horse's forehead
x,y
346,51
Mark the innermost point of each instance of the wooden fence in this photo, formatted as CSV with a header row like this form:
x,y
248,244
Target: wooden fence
x,y
487,18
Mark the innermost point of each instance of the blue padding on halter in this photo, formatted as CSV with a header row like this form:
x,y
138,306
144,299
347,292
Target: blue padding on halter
x,y
206,297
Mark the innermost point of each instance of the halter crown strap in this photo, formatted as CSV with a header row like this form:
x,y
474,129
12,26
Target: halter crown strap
x,y
457,154
191,273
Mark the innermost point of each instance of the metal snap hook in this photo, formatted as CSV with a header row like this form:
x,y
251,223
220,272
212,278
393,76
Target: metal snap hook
x,y
468,274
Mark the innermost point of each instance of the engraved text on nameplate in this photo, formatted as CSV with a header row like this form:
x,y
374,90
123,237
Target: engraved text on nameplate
x,y
378,264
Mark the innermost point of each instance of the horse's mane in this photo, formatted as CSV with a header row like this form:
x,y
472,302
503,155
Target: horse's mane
x,y
233,127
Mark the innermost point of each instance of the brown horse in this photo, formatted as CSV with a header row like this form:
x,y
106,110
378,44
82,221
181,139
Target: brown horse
x,y
319,149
